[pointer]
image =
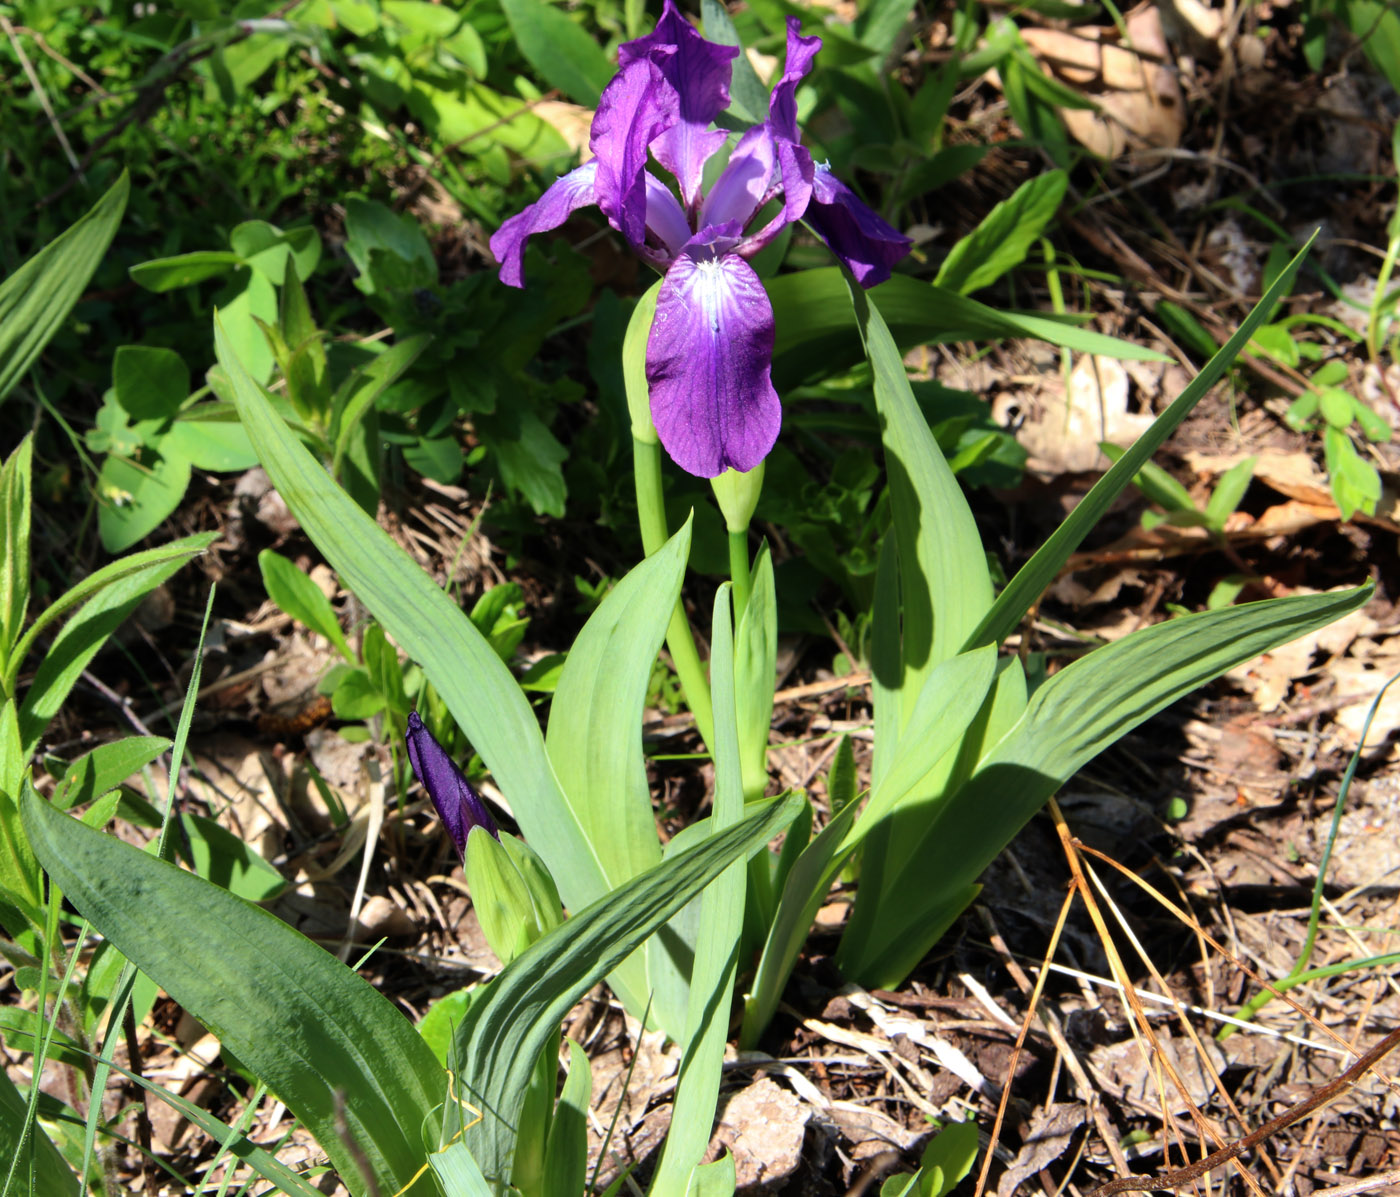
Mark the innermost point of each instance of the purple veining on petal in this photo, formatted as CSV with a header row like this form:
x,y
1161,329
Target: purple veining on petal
x,y
666,217
855,234
709,359
635,107
575,190
740,189
699,71
457,806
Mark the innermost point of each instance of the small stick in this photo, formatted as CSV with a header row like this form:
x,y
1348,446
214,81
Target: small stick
x,y
1184,1176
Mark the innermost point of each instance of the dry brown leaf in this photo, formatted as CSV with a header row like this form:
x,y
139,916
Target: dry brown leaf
x,y
1139,104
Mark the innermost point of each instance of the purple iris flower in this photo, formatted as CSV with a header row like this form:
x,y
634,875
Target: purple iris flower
x,y
710,352
457,806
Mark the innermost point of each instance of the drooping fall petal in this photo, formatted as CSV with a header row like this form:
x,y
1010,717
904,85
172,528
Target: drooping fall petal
x,y
457,805
575,190
858,236
634,109
700,72
709,359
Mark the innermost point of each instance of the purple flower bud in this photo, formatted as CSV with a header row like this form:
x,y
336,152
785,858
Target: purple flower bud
x,y
457,806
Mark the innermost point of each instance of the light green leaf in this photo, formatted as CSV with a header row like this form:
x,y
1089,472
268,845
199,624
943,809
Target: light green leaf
x,y
1229,492
716,946
951,1153
755,674
1033,577
566,1156
14,549
302,599
506,1029
137,497
37,297
105,767
944,585
32,1163
559,49
150,383
1069,720
434,631
748,98
183,270
1005,235
814,336
88,630
594,738
344,1059
217,855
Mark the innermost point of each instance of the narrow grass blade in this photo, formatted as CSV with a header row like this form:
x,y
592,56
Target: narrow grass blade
x,y
314,1031
37,297
1033,577
721,920
14,550
566,1156
474,682
504,1031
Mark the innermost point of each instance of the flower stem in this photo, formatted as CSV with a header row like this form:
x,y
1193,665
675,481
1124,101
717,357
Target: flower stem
x,y
739,571
651,516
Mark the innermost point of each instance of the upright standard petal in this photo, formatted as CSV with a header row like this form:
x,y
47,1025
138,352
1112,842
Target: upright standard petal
x,y
665,217
794,161
740,188
635,107
710,357
575,190
855,234
457,806
700,73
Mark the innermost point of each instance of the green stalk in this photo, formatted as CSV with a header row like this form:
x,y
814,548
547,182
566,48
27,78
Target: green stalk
x,y
739,569
651,516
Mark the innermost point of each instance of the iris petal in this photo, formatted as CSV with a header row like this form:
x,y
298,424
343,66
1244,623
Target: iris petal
x,y
740,189
699,71
457,806
665,216
635,107
854,233
709,360
575,190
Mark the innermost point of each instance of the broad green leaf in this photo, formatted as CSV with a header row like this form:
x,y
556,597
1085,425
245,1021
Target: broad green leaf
x,y
432,629
177,551
32,1164
267,249
217,855
1229,492
1033,577
14,549
359,392
302,599
210,443
458,1173
37,297
594,738
1005,235
944,585
814,335
560,49
716,946
88,630
880,23
104,768
184,270
566,1157
344,1059
506,1029
1069,720
150,383
21,886
137,496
